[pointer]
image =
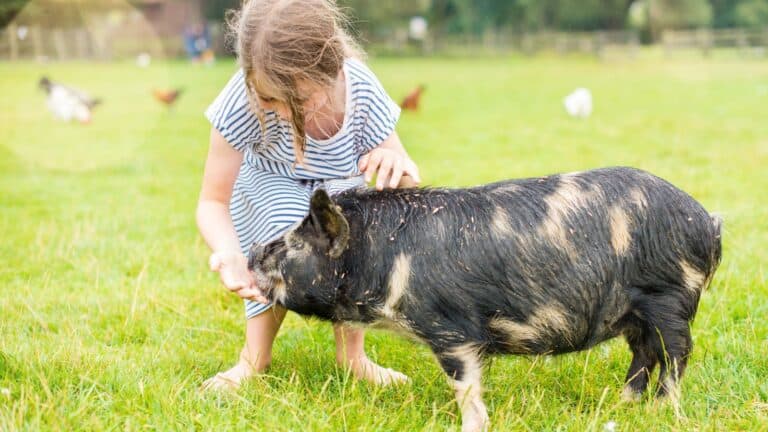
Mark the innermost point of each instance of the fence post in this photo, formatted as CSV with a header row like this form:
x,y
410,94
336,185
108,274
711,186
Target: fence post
x,y
764,42
59,44
81,43
527,44
705,39
561,44
13,42
765,37
634,43
600,41
37,44
99,40
741,42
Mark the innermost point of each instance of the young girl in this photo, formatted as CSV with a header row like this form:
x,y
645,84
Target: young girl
x,y
303,113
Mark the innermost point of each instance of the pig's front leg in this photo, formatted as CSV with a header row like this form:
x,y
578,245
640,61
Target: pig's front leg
x,y
463,364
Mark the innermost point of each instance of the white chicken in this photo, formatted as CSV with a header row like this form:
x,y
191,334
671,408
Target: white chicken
x,y
67,103
579,103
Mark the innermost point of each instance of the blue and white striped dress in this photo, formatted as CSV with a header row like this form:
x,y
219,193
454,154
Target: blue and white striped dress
x,y
271,192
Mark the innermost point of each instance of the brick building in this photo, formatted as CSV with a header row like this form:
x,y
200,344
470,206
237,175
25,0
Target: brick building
x,y
170,18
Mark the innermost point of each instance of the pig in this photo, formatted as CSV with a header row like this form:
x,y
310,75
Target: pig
x,y
537,266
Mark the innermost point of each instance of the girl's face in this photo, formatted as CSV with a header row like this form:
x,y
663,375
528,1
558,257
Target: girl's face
x,y
311,99
269,103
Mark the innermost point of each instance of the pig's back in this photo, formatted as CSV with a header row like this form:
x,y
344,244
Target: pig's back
x,y
568,255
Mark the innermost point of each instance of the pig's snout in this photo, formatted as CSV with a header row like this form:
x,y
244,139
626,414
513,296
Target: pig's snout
x,y
264,257
262,265
256,256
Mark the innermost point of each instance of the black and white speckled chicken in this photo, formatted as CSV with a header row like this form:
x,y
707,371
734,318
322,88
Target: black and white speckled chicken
x,y
68,103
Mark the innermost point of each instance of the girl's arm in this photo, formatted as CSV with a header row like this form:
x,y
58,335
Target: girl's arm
x,y
391,165
214,221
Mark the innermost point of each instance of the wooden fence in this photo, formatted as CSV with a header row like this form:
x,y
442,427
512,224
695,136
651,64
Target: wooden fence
x,y
97,43
103,43
745,42
602,44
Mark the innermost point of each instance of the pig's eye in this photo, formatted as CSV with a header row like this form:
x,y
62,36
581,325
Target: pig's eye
x,y
293,242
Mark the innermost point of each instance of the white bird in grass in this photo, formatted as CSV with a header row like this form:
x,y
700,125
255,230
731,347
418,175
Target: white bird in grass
x,y
143,60
579,103
67,103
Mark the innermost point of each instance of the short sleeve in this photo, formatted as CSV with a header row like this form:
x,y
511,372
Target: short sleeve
x,y
231,115
380,112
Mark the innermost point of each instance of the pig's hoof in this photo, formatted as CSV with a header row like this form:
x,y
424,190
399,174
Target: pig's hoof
x,y
630,395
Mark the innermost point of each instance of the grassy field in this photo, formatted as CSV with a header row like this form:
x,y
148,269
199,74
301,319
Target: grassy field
x,y
109,319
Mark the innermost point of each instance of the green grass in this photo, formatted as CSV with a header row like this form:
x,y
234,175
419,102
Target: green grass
x,y
109,318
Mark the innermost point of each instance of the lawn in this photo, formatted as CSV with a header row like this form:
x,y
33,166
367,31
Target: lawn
x,y
109,319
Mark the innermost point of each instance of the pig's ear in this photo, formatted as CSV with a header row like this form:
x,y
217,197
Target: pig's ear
x,y
328,218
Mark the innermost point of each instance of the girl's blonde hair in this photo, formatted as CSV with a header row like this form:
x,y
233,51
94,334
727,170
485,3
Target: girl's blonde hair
x,y
280,43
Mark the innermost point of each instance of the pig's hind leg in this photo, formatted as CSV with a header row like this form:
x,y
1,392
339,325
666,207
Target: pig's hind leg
x,y
663,337
644,361
673,347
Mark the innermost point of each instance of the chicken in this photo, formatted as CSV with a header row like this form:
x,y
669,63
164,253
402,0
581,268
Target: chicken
x,y
579,103
411,101
167,97
67,103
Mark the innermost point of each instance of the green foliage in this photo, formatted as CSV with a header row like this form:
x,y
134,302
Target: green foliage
x,y
751,13
216,9
467,16
746,13
680,13
478,16
9,9
592,14
374,16
110,320
637,15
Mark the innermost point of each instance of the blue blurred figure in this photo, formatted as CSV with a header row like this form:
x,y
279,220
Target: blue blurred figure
x,y
197,42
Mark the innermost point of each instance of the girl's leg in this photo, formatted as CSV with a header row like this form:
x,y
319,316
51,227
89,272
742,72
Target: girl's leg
x,y
260,332
350,352
350,341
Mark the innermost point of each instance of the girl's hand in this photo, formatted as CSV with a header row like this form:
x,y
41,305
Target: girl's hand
x,y
233,270
389,166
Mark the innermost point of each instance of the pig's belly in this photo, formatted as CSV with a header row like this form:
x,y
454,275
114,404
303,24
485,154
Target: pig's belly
x,y
566,323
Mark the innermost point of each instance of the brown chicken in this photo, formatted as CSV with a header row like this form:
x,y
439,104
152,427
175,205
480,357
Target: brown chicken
x,y
411,101
167,97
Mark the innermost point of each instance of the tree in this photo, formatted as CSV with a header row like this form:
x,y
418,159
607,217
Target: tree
x,y
751,13
371,17
677,14
54,13
9,9
722,12
680,13
592,14
216,9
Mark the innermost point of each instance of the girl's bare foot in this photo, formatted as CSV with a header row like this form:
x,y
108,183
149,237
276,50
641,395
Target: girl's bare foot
x,y
363,368
350,353
256,355
232,379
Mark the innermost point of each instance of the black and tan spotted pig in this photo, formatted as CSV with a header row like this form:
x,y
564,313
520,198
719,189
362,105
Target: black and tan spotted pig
x,y
546,265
